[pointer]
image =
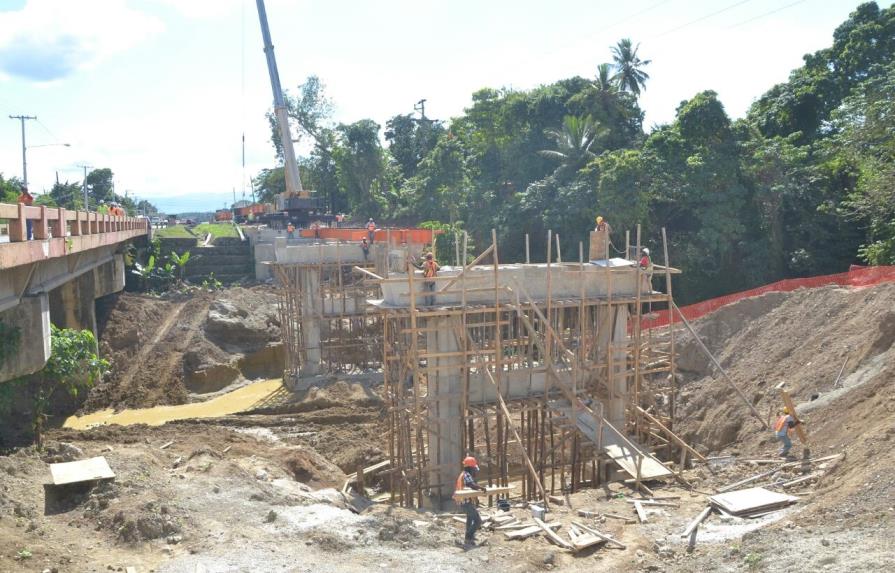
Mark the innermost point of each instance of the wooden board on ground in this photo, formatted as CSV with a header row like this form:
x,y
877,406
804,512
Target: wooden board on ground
x,y
607,538
751,501
582,539
467,493
553,536
640,511
81,471
524,532
626,458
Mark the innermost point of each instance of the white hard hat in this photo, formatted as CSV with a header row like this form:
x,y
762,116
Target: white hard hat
x,y
645,251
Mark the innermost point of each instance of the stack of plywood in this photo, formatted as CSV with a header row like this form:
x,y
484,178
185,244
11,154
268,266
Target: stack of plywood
x,y
752,502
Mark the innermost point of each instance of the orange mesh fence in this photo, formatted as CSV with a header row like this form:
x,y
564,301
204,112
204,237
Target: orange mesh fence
x,y
857,276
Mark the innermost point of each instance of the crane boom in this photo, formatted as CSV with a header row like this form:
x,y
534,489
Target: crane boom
x,y
293,181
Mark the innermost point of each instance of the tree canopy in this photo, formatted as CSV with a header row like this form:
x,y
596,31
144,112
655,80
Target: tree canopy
x,y
802,185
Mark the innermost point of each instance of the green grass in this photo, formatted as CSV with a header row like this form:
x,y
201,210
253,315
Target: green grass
x,y
216,229
173,232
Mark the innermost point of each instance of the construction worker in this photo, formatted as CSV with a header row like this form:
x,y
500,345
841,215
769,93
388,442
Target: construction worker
x,y
430,271
466,480
371,230
646,265
290,230
784,424
27,199
315,226
602,226
365,247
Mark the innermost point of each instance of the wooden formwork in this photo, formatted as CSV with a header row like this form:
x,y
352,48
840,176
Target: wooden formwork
x,y
350,334
566,343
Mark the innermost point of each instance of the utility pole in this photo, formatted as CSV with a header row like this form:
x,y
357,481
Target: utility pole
x,y
420,106
22,119
84,185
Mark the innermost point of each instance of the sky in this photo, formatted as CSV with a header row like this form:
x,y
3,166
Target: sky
x,y
162,91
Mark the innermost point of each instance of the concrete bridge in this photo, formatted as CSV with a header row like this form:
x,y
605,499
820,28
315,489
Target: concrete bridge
x,y
73,258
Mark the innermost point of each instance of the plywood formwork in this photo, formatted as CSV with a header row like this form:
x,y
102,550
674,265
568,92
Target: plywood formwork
x,y
534,369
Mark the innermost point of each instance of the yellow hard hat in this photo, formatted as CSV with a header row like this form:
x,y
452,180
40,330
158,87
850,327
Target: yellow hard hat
x,y
599,219
786,410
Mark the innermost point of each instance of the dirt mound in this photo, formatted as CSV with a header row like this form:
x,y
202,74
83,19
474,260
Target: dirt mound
x,y
803,338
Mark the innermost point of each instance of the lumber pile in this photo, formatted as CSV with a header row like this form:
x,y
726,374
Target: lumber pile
x,y
752,502
494,490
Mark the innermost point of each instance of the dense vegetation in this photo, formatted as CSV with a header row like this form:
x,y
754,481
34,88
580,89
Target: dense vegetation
x,y
802,185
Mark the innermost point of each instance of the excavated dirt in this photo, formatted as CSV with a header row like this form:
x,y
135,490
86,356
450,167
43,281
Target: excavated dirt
x,y
253,491
177,348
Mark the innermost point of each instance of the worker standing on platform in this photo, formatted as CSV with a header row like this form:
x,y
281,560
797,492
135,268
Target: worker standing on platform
x,y
646,265
785,423
466,480
290,231
371,230
602,226
365,247
430,271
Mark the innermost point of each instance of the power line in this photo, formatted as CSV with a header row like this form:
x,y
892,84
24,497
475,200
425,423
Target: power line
x,y
700,19
760,16
632,16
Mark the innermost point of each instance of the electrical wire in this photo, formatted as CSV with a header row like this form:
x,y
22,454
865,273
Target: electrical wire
x,y
632,16
760,16
700,19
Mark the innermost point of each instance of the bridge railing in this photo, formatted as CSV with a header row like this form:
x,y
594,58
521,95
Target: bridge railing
x,y
48,222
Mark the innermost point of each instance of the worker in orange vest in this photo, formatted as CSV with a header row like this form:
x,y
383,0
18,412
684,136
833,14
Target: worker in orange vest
x,y
466,480
290,230
27,199
371,230
784,424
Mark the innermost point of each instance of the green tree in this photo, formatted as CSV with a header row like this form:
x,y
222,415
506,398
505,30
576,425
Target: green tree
x,y
73,366
603,81
10,189
100,186
269,183
361,167
410,140
573,142
68,195
629,74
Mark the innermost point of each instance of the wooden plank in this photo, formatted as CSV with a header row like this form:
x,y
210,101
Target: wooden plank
x,y
553,536
81,471
166,444
695,523
494,490
523,533
751,500
800,428
640,512
607,538
621,517
654,503
670,434
625,457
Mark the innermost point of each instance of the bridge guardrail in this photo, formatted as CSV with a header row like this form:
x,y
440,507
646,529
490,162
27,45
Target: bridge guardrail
x,y
50,222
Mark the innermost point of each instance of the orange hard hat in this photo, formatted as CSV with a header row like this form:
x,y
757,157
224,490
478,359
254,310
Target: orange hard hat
x,y
469,462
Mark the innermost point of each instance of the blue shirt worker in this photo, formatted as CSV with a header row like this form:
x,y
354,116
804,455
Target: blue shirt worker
x,y
466,480
784,425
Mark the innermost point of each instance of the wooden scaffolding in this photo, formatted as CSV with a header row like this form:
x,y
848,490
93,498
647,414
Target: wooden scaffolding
x,y
545,391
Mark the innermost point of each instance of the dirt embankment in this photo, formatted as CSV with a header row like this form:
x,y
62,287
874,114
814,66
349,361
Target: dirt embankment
x,y
168,350
804,338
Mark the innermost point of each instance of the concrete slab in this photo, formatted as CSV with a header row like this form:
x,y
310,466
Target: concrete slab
x,y
80,471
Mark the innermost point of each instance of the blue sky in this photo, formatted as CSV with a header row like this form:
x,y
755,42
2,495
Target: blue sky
x,y
161,91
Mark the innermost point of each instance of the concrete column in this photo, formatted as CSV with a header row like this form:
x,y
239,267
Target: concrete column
x,y
32,317
109,277
444,417
73,304
615,409
310,321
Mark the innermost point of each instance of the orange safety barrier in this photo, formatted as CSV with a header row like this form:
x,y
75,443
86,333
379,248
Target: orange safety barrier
x,y
398,236
857,276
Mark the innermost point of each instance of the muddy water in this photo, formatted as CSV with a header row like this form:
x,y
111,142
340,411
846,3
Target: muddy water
x,y
232,402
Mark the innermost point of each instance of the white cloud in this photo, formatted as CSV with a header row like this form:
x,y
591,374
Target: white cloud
x,y
49,40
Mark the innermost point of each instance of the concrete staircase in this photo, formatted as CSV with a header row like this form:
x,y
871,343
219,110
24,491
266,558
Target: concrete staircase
x,y
230,259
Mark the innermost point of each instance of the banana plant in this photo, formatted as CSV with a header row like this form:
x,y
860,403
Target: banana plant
x,y
180,261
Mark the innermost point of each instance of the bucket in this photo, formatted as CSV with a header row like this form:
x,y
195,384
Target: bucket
x,y
538,512
503,504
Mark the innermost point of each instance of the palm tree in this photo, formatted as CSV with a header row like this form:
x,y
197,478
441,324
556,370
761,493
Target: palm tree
x,y
573,142
604,82
629,74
